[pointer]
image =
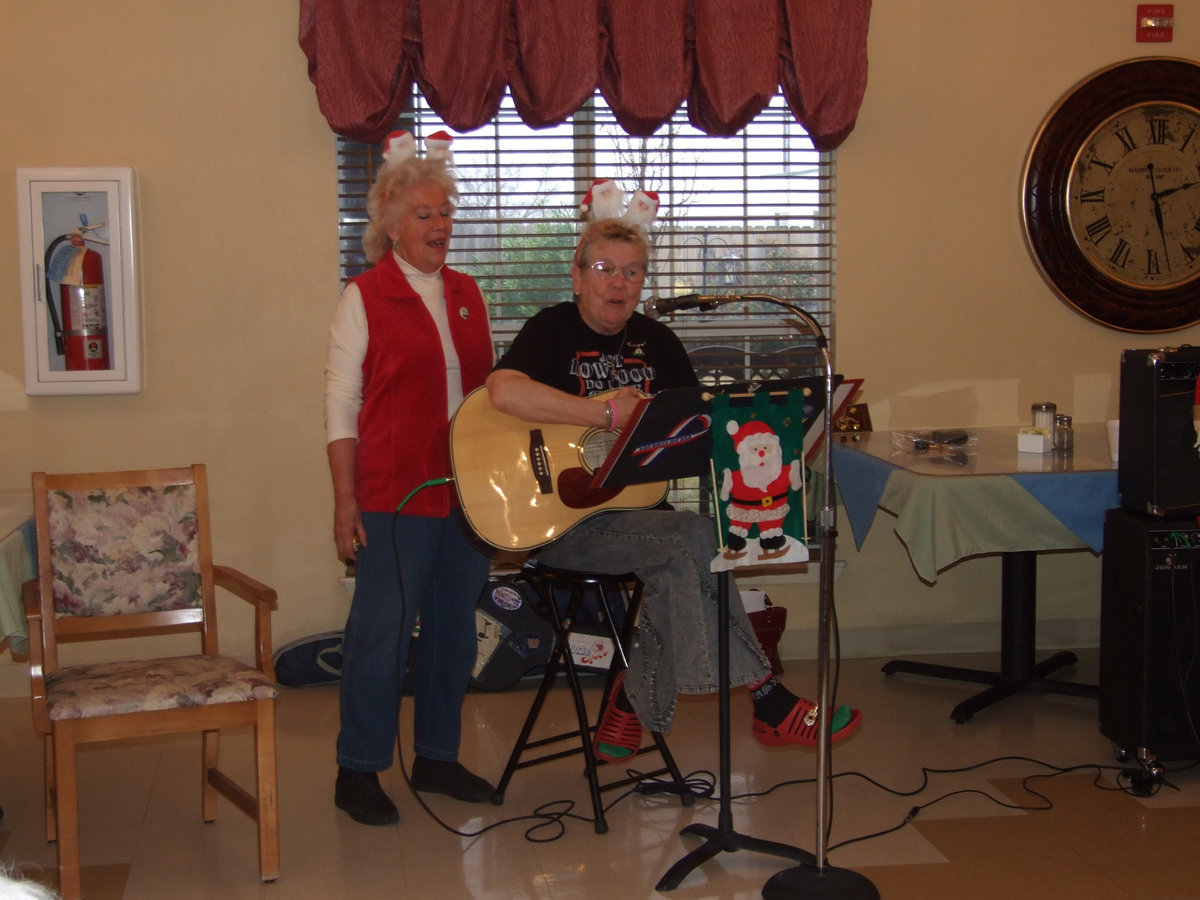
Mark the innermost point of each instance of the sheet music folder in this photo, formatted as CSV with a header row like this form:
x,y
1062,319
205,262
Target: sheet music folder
x,y
669,435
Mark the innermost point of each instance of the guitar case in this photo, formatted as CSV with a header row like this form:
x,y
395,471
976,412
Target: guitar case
x,y
514,637
309,661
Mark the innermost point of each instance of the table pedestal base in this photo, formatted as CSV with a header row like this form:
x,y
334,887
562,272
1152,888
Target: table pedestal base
x,y
1018,671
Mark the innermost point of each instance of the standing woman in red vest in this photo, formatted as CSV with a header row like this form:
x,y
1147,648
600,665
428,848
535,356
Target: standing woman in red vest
x,y
409,340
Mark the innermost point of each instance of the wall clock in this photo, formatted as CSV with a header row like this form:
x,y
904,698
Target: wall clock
x,y
1111,195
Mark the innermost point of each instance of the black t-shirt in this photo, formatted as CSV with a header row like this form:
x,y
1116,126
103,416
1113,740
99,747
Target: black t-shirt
x,y
556,347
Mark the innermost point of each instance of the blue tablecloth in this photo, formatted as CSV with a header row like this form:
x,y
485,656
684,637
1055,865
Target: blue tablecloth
x,y
945,514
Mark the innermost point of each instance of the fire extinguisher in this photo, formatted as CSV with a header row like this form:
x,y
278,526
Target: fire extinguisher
x,y
81,336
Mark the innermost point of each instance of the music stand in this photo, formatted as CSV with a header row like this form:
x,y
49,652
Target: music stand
x,y
667,436
813,877
670,436
722,837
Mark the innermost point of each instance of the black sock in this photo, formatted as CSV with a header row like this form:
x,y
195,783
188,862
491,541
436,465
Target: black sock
x,y
772,701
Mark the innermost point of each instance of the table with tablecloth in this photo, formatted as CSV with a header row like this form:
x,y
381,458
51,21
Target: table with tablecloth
x,y
964,498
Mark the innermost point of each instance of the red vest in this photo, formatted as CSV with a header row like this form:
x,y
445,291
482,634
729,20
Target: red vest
x,y
403,427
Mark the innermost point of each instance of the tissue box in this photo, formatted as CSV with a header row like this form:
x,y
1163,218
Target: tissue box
x,y
1034,440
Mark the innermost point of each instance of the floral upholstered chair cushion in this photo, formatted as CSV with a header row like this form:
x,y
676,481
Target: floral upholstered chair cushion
x,y
124,551
107,689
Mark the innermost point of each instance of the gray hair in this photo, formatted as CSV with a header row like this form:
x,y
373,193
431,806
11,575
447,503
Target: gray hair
x,y
14,886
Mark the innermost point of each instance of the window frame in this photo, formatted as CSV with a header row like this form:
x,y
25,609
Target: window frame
x,y
683,244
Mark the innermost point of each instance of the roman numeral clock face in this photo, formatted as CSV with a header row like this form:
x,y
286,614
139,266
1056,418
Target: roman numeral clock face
x,y
1134,196
1111,196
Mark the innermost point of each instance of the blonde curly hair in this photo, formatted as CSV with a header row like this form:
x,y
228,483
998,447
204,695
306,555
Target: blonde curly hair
x,y
615,230
388,199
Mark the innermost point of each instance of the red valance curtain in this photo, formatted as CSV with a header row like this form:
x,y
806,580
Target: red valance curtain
x,y
724,58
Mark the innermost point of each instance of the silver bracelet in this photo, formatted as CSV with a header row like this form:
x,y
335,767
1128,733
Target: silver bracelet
x,y
610,415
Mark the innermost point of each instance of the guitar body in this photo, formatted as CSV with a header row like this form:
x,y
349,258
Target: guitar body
x,y
522,484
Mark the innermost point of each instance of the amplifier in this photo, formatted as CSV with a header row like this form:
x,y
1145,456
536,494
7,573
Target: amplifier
x,y
1158,468
1150,635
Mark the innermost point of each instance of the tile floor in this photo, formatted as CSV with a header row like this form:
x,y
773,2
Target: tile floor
x,y
142,836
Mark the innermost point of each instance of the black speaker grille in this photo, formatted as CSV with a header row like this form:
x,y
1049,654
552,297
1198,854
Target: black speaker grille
x,y
1159,465
1150,634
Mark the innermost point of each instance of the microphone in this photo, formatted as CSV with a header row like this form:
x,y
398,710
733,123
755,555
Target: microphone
x,y
664,305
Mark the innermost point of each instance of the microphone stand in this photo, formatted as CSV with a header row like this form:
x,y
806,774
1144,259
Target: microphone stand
x,y
815,879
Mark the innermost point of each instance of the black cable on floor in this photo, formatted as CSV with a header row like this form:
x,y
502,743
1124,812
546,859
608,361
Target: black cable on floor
x,y
1130,781
701,783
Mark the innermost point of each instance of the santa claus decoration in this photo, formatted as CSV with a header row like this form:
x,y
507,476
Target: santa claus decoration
x,y
759,493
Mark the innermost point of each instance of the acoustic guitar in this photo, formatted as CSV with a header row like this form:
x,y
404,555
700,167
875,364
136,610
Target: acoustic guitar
x,y
522,484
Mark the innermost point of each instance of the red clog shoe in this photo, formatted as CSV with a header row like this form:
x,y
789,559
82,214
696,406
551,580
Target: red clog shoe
x,y
800,726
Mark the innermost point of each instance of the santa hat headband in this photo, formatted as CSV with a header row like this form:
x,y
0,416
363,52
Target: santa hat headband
x,y
401,145
605,200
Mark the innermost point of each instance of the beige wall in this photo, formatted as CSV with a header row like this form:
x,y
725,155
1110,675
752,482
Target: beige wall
x,y
939,306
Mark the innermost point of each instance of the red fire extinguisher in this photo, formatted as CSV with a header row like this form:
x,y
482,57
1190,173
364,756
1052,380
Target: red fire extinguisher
x,y
82,334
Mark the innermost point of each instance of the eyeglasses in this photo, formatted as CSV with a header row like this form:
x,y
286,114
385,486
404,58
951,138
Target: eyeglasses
x,y
606,270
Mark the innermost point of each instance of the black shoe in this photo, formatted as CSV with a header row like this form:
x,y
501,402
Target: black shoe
x,y
359,794
773,543
449,778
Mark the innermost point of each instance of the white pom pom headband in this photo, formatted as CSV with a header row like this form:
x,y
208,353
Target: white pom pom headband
x,y
604,200
401,145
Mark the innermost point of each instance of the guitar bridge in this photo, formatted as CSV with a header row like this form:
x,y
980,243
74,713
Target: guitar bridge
x,y
540,461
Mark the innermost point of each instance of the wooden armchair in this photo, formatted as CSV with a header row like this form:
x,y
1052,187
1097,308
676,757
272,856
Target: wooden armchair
x,y
128,554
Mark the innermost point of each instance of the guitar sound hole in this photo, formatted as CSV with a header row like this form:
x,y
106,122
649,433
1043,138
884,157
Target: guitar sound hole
x,y
594,447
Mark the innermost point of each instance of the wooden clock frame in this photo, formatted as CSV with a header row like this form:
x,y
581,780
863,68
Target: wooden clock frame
x,y
1048,166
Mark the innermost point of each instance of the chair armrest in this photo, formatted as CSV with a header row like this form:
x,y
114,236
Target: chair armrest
x,y
37,675
264,600
243,585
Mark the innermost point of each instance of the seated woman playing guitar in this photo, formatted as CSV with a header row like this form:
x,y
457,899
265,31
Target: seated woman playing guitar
x,y
599,343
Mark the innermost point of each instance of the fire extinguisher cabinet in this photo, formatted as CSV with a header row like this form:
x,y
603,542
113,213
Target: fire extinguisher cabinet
x,y
79,290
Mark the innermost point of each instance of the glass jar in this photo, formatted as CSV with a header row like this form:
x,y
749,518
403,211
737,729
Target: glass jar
x,y
1043,416
1064,435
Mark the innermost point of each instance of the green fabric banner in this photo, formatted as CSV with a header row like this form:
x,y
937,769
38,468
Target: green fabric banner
x,y
758,467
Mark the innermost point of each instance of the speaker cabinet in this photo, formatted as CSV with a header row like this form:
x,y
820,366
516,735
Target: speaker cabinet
x,y
1150,635
1158,470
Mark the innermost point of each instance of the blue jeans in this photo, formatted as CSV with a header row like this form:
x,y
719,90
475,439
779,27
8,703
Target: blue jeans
x,y
410,565
676,651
